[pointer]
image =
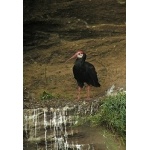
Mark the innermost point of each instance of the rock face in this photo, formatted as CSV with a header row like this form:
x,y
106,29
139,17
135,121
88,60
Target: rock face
x,y
46,22
90,11
53,30
55,129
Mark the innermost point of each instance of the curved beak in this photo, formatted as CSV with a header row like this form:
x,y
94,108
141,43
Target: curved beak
x,y
74,56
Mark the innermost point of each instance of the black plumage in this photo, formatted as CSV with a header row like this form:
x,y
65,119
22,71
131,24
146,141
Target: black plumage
x,y
84,72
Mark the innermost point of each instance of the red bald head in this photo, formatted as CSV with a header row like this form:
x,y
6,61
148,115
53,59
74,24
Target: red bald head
x,y
78,54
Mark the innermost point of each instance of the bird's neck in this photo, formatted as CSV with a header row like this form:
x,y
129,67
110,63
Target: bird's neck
x,y
79,62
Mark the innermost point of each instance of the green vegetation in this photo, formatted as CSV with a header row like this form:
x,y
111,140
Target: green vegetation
x,y
111,114
46,96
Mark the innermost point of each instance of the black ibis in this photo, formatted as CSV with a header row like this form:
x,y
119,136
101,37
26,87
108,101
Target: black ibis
x,y
84,72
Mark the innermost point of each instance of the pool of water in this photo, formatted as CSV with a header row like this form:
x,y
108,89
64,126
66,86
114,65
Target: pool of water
x,y
55,129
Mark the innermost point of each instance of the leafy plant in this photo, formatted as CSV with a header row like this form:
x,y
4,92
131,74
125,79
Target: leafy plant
x,y
46,96
111,114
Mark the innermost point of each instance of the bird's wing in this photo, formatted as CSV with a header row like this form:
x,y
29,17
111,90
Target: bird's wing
x,y
75,72
92,74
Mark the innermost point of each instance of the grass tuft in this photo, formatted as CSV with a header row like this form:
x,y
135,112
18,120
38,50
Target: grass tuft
x,y
111,114
46,96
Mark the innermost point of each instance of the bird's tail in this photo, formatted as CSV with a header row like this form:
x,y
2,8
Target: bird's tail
x,y
97,85
95,80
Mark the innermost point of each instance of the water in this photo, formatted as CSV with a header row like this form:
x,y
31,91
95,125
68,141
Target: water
x,y
54,129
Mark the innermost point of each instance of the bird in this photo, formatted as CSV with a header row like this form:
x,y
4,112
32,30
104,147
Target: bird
x,y
84,72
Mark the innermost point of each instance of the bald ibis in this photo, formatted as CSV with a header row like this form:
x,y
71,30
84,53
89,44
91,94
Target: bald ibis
x,y
84,72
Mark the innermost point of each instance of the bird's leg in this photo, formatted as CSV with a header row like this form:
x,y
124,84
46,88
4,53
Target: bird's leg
x,y
88,92
79,90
